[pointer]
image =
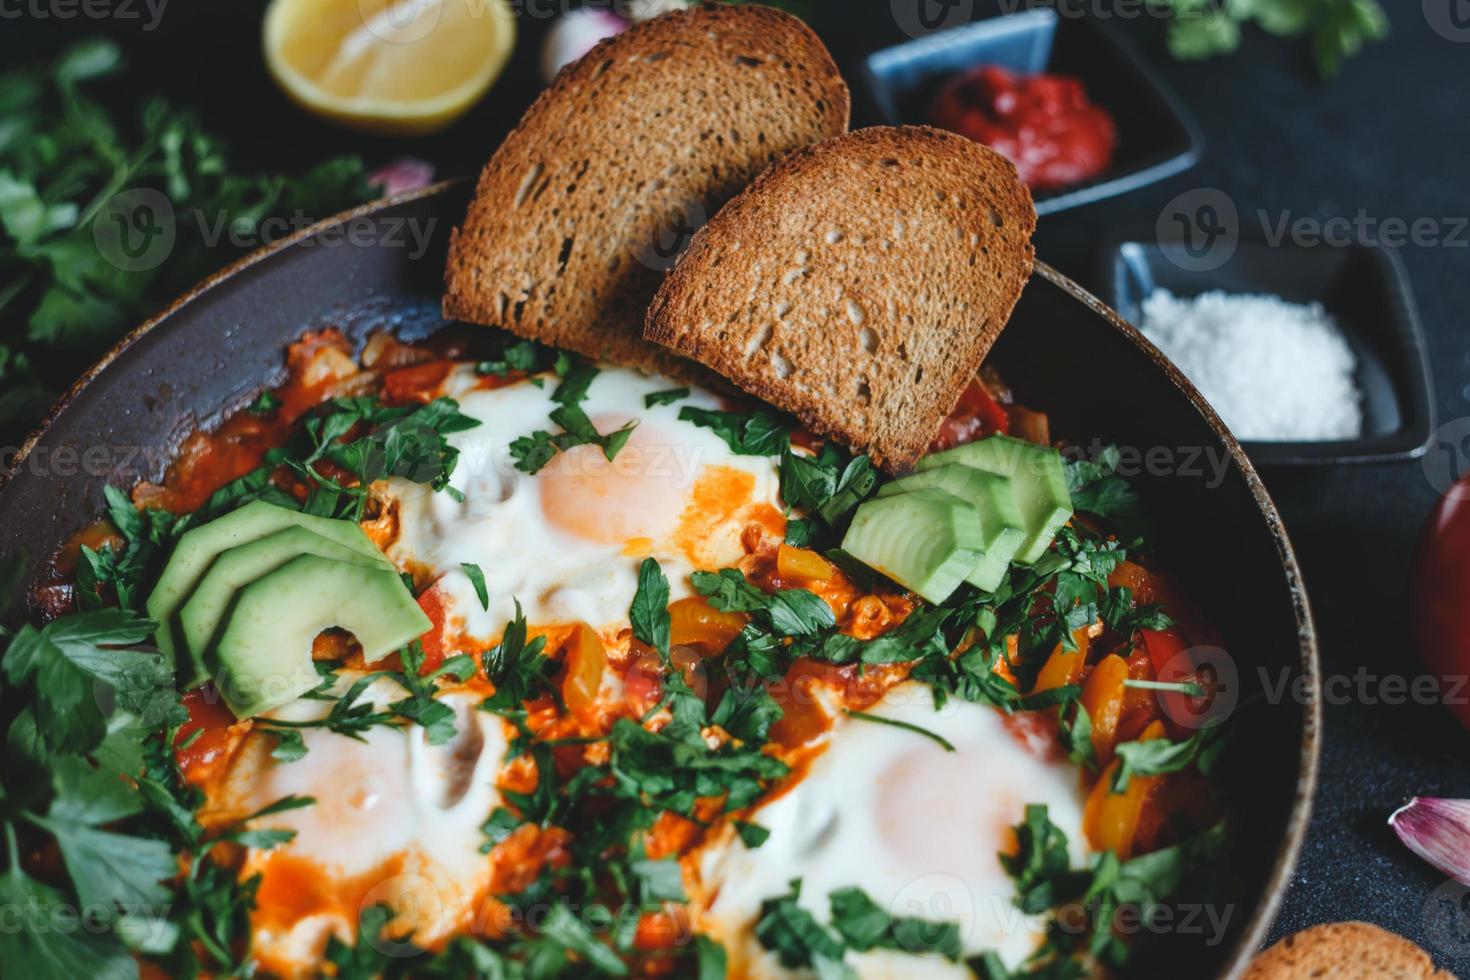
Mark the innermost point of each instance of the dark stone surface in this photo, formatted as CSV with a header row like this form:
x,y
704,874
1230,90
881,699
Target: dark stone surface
x,y
1391,137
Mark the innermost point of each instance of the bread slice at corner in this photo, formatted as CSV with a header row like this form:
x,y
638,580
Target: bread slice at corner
x,y
582,210
1344,951
858,283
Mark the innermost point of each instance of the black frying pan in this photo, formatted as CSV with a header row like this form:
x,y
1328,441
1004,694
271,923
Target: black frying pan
x,y
1063,352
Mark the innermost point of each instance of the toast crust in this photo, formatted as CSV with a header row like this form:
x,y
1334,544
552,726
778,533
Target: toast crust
x,y
1344,951
578,215
858,284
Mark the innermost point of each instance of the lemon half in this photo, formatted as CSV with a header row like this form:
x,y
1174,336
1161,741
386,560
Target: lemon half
x,y
395,67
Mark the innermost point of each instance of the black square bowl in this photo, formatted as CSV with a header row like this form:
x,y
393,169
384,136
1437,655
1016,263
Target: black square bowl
x,y
1156,138
1363,287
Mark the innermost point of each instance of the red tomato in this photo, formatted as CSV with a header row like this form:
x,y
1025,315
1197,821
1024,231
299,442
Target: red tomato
x,y
1442,596
976,416
208,738
419,383
432,642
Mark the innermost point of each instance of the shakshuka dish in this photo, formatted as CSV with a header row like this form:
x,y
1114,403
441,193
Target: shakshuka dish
x,y
472,658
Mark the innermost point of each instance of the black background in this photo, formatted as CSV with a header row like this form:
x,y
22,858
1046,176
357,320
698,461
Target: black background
x,y
1390,137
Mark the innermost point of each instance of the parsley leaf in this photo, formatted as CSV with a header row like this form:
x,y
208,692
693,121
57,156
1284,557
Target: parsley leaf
x,y
36,950
788,612
943,742
265,403
649,614
668,397
797,938
477,579
86,248
865,925
519,669
758,433
70,657
533,452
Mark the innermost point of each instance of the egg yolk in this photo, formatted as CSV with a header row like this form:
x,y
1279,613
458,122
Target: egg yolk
x,y
636,496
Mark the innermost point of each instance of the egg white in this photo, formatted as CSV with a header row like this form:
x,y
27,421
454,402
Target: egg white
x,y
507,522
395,820
915,826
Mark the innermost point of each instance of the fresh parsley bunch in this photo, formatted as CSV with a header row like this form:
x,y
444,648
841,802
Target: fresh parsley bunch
x,y
105,219
1338,28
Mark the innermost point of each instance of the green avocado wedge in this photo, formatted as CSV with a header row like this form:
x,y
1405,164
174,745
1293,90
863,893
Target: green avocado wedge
x,y
1002,528
1037,476
206,607
197,548
926,542
264,643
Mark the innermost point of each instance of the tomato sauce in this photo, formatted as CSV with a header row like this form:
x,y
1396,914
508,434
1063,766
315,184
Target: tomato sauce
x,y
1044,124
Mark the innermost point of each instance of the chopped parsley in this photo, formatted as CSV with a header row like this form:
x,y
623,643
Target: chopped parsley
x,y
943,742
477,579
667,397
857,923
758,433
533,452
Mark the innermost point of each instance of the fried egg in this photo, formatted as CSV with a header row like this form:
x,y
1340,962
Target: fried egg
x,y
395,820
917,827
566,542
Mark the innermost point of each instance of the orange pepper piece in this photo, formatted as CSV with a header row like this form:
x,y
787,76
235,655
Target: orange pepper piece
x,y
1110,819
693,621
1102,696
585,659
801,565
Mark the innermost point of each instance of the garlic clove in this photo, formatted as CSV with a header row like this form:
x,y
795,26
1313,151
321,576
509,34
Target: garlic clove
x,y
403,174
574,34
1438,830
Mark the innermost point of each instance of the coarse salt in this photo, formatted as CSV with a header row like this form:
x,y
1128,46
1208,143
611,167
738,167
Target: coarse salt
x,y
1275,371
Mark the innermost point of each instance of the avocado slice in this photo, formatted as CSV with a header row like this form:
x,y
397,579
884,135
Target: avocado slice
x,y
264,643
197,548
200,616
926,542
1037,476
1002,528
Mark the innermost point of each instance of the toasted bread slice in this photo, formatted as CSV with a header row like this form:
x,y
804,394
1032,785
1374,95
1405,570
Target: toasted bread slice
x,y
1344,951
858,283
582,210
